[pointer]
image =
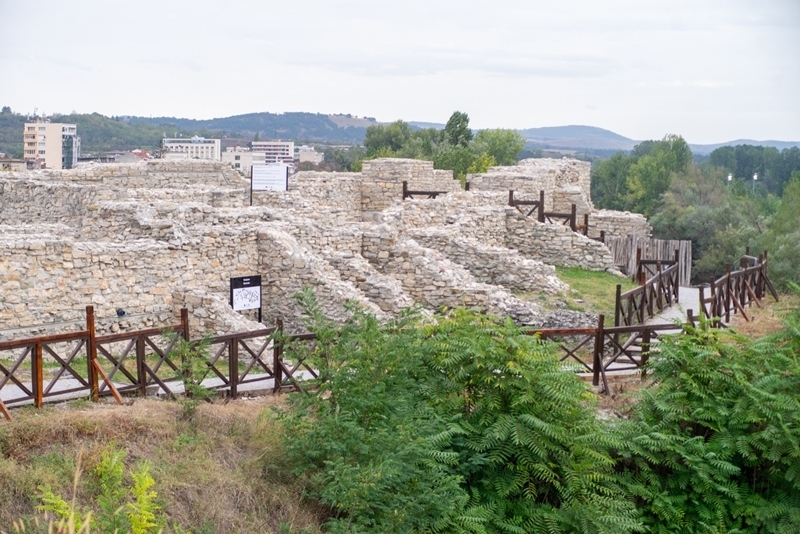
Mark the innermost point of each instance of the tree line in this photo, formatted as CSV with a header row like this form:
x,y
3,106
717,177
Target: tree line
x,y
717,204
455,148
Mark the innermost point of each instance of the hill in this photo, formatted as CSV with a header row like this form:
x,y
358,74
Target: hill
x,y
577,137
704,150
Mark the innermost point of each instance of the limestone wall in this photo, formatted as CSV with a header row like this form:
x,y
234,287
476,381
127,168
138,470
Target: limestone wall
x,y
334,197
382,182
618,224
555,244
491,265
530,176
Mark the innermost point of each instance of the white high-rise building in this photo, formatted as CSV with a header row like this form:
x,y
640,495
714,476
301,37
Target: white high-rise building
x,y
191,148
51,145
274,151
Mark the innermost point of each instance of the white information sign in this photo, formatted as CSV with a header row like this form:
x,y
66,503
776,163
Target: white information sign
x,y
269,177
247,298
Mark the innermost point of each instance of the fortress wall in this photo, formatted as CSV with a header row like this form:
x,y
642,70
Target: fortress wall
x,y
332,197
477,215
530,176
618,224
491,265
46,278
29,201
382,182
555,244
287,268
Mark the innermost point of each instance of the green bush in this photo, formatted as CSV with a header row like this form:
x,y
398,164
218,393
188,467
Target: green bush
x,y
465,426
714,445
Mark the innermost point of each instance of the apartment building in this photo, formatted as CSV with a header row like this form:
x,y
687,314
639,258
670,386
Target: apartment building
x,y
191,148
242,158
275,151
51,145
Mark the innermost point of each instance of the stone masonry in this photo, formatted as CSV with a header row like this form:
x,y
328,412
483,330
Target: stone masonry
x,y
153,237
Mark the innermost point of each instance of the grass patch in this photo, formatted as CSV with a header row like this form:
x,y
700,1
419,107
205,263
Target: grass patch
x,y
593,291
765,320
224,473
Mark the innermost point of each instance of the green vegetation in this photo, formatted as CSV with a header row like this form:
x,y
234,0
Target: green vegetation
x,y
462,424
454,148
721,217
596,290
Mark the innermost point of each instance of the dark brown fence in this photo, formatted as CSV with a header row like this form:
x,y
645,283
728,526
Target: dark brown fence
x,y
649,299
142,362
408,193
738,289
627,251
598,351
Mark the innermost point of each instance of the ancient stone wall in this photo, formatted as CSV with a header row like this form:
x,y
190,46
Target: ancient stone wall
x,y
555,244
382,182
334,197
618,224
530,176
492,265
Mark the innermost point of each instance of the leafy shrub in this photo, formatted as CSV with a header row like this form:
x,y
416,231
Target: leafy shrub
x,y
715,445
464,426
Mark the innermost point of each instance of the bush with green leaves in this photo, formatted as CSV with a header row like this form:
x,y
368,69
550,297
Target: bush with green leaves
x,y
466,425
714,445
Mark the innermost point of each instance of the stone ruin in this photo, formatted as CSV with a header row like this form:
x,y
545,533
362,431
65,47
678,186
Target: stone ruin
x,y
150,238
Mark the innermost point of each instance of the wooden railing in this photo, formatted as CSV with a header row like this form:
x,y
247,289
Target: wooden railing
x,y
601,350
529,206
142,362
407,193
649,299
737,290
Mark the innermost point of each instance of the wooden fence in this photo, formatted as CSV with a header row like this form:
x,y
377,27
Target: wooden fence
x,y
649,299
142,362
531,207
736,290
601,350
629,250
408,193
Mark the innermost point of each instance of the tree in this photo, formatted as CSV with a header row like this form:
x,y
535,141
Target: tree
x,y
457,129
609,185
391,136
502,145
6,110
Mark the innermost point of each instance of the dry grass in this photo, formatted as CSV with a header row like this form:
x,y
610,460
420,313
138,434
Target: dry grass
x,y
765,320
222,473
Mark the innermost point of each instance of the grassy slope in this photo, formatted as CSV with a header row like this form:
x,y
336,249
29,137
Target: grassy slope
x,y
592,290
215,479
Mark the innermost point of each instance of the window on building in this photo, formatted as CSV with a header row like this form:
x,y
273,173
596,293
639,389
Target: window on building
x,y
237,165
42,128
237,158
41,152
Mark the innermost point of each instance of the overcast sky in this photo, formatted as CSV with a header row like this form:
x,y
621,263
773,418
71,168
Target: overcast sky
x,y
709,70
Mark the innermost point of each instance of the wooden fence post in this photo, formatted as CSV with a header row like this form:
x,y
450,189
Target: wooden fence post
x,y
585,224
618,305
277,355
728,296
141,367
572,218
511,197
37,379
540,215
91,349
233,367
185,323
645,349
597,357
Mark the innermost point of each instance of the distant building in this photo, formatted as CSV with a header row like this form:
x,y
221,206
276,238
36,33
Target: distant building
x,y
308,154
13,165
191,148
51,145
275,151
134,156
241,158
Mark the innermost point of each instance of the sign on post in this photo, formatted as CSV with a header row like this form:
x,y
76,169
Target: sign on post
x,y
272,177
246,293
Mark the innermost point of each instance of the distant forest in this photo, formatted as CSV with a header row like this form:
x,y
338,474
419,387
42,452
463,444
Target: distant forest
x,y
100,133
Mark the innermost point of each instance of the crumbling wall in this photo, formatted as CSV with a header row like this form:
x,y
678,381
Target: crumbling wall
x,y
555,244
329,196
